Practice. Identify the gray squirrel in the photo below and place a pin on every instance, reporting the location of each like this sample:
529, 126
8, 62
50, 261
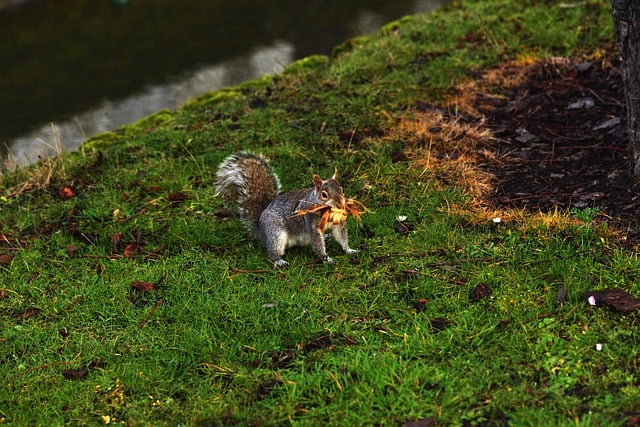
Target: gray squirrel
252, 189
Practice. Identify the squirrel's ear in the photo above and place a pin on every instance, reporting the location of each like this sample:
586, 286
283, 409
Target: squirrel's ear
317, 181
335, 174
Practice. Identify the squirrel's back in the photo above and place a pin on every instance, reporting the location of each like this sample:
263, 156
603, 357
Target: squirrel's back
247, 182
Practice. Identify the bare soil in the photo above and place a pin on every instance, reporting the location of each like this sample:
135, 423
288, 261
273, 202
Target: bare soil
560, 138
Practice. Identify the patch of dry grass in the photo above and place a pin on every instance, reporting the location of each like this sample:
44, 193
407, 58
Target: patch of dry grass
42, 174
447, 147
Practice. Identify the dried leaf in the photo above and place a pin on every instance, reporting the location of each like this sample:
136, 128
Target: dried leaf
481, 291
71, 250
151, 189
30, 312
404, 227
115, 242
66, 193
398, 156
615, 298
176, 198
438, 324
5, 259
144, 286
420, 304
267, 388
223, 213
422, 422
75, 374
334, 215
130, 250
379, 259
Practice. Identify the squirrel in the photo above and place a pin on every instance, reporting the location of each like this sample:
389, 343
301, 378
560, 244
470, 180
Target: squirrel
252, 189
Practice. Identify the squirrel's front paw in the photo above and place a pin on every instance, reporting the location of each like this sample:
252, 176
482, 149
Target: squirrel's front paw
350, 251
327, 259
280, 263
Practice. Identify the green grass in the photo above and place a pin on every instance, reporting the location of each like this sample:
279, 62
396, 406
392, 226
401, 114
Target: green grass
392, 337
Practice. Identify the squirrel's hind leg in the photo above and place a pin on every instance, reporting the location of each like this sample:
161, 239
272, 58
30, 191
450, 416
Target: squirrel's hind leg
276, 244
276, 248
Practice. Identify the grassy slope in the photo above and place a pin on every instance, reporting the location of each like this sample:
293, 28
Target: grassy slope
227, 339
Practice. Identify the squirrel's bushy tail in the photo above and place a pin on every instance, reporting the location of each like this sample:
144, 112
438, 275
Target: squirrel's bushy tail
248, 184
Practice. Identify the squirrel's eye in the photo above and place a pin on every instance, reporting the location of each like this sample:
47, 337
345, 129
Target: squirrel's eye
324, 195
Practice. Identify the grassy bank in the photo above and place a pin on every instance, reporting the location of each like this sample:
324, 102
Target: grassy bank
124, 298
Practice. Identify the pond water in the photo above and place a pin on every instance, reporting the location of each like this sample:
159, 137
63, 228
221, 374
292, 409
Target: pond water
73, 68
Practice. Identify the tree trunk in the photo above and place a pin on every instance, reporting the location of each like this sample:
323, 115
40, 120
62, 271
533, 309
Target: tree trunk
626, 17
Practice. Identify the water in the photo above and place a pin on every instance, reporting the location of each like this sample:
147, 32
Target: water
77, 68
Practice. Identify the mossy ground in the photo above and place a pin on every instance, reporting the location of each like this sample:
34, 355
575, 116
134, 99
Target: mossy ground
124, 299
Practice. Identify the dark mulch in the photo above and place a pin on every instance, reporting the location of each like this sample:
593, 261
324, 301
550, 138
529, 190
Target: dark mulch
561, 135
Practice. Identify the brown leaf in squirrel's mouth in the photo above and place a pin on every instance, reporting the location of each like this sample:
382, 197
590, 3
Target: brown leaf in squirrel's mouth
333, 214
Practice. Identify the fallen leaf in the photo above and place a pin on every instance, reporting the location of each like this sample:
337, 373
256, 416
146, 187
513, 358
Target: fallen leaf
404, 228
615, 298
130, 250
5, 259
115, 242
30, 312
633, 421
481, 291
398, 156
71, 250
266, 388
437, 324
144, 286
379, 259
223, 213
151, 189
75, 374
420, 304
176, 198
422, 422
66, 193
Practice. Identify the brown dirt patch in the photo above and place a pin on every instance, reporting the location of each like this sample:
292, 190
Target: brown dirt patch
561, 138
539, 136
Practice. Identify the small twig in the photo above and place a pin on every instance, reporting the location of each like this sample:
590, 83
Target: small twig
351, 139
534, 196
133, 216
153, 310
592, 147
238, 270
46, 365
